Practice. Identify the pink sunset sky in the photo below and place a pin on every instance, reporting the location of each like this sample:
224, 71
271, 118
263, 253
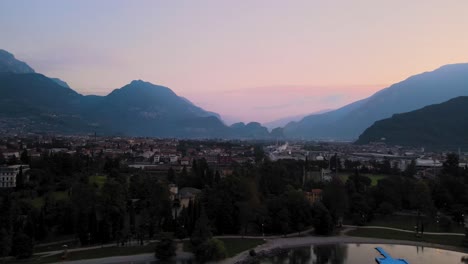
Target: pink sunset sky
256, 60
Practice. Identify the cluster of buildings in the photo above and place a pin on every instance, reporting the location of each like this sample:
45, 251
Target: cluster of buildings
428, 163
149, 154
159, 155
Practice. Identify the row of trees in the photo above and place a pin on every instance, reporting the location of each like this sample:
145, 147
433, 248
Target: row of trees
359, 201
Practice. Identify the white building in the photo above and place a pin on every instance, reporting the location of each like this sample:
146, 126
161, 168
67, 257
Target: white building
8, 175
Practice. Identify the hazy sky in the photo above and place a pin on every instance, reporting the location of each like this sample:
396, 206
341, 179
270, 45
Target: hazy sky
245, 59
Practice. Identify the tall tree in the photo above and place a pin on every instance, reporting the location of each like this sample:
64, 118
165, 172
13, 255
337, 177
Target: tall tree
24, 157
202, 231
450, 165
3, 161
171, 175
22, 246
335, 198
410, 170
20, 179
421, 197
323, 222
5, 243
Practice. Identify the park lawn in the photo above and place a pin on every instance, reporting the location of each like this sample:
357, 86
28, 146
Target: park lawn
56, 246
38, 202
408, 222
456, 241
97, 180
233, 246
63, 195
375, 178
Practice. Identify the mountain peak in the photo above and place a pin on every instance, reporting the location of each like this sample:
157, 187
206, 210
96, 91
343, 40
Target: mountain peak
8, 63
135, 82
456, 67
6, 54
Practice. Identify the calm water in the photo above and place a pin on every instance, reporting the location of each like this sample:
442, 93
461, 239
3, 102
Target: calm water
365, 254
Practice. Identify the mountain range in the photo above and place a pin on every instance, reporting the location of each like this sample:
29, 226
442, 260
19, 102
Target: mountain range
436, 126
32, 102
348, 122
43, 104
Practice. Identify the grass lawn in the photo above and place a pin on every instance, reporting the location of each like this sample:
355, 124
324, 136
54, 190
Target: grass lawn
233, 246
374, 177
99, 180
57, 246
60, 195
389, 234
408, 222
38, 202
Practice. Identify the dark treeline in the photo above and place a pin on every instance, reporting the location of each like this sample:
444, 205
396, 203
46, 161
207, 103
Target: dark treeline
99, 200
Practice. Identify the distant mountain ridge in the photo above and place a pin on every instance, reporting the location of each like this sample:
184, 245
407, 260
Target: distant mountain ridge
348, 122
436, 126
39, 104
286, 120
8, 63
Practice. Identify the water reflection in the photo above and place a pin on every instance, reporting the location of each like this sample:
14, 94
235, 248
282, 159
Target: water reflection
364, 253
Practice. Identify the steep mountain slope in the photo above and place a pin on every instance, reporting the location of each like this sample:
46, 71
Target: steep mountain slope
415, 92
204, 112
60, 82
32, 93
35, 103
144, 109
320, 126
436, 126
8, 63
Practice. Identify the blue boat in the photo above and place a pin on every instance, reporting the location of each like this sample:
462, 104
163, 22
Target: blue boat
387, 259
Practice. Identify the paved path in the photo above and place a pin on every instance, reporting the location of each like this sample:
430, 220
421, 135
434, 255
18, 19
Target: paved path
133, 259
55, 252
404, 230
55, 243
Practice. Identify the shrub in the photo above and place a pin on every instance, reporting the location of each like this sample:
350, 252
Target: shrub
165, 249
22, 246
445, 223
386, 208
211, 250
